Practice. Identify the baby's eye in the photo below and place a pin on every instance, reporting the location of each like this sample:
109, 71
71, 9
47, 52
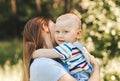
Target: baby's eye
66, 31
57, 32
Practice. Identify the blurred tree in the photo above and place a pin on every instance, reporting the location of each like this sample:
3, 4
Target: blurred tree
68, 5
13, 6
38, 5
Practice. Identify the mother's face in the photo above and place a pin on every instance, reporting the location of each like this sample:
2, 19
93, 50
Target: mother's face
52, 30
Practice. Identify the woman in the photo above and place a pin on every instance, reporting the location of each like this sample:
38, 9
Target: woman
39, 33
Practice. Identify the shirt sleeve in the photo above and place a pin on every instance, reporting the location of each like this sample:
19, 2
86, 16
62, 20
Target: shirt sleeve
65, 50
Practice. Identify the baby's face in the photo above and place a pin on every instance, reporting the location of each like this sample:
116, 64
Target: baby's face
66, 31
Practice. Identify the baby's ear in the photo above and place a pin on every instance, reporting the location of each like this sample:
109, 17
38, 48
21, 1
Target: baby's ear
45, 28
79, 32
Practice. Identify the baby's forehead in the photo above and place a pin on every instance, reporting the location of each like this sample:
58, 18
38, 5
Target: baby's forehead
67, 23
69, 16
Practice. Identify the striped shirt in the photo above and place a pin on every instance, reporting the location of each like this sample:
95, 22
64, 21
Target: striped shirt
74, 56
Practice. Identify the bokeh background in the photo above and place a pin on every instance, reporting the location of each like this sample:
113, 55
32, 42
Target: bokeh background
100, 24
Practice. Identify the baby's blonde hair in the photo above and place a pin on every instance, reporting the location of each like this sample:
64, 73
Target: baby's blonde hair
70, 17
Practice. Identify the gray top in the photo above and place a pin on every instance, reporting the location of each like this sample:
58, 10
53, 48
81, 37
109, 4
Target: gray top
46, 69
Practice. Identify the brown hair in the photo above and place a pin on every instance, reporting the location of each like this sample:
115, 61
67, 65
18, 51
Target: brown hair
32, 40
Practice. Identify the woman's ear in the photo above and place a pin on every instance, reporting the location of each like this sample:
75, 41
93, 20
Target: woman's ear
45, 28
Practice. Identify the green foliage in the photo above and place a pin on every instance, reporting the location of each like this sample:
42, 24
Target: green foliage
101, 23
112, 77
10, 51
110, 69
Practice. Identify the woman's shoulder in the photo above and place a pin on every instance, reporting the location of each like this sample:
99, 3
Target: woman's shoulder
45, 62
46, 66
45, 59
41, 61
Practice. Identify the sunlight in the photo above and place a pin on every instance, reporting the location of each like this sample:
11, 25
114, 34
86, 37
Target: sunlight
11, 73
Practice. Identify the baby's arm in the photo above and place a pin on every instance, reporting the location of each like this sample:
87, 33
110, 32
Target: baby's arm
62, 51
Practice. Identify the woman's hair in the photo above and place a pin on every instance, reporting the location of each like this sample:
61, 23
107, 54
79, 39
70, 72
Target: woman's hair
32, 40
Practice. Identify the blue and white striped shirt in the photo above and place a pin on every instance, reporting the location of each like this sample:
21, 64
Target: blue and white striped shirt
75, 56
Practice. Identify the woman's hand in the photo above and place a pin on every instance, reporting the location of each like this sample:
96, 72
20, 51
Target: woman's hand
95, 76
93, 61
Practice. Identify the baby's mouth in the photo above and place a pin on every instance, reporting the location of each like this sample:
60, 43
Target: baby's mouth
61, 41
